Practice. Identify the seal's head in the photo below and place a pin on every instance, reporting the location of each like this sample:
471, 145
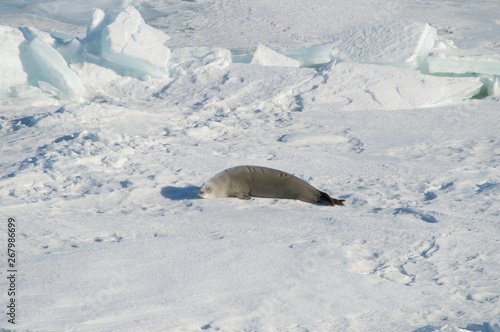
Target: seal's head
211, 190
205, 191
217, 187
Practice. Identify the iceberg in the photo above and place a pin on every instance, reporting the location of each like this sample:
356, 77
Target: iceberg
11, 67
129, 42
265, 56
394, 44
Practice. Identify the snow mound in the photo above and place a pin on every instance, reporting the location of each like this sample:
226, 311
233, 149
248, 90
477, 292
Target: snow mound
128, 41
353, 86
267, 57
394, 43
11, 67
460, 61
248, 87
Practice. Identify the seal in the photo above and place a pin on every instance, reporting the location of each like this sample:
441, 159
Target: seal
245, 182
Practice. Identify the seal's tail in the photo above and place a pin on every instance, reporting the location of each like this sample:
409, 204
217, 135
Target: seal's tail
326, 199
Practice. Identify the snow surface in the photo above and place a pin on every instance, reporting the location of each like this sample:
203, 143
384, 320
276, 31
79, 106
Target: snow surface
108, 128
267, 57
395, 43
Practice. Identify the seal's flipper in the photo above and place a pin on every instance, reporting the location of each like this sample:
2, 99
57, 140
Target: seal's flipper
338, 201
242, 195
326, 199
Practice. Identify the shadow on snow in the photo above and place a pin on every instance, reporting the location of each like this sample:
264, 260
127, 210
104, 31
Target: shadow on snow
180, 193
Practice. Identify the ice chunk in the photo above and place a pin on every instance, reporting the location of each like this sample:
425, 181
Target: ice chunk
460, 61
30, 34
133, 44
50, 68
353, 86
241, 57
70, 50
494, 87
92, 43
265, 56
393, 43
11, 67
311, 56
491, 85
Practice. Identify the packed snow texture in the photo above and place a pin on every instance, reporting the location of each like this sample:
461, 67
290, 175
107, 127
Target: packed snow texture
394, 43
383, 87
108, 129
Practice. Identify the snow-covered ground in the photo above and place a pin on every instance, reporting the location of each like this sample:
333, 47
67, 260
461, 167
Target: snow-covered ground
112, 118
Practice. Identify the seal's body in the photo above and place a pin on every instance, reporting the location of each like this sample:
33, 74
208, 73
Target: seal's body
245, 182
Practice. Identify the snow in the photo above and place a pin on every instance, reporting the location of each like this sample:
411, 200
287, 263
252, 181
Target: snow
198, 60
11, 67
108, 129
267, 57
395, 43
380, 87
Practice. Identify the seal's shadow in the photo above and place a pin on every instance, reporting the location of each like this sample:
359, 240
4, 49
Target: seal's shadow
180, 193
